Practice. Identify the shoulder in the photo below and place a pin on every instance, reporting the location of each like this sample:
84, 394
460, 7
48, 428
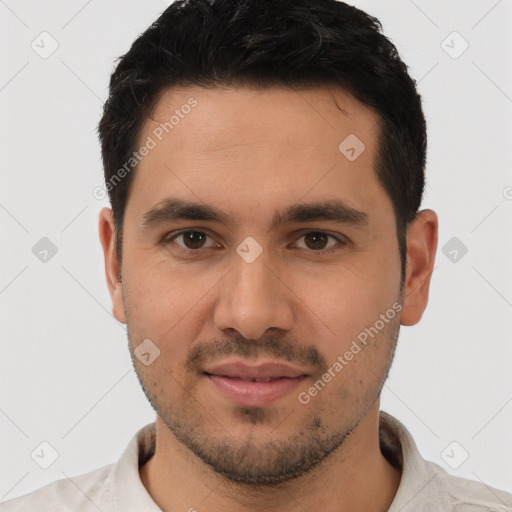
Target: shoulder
87, 492
108, 488
468, 495
427, 487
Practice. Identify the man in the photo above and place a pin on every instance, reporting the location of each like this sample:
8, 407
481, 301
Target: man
264, 160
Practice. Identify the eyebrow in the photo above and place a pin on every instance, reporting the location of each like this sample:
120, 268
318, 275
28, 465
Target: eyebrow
334, 210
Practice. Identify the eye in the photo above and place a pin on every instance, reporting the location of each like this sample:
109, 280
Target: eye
317, 241
314, 241
192, 240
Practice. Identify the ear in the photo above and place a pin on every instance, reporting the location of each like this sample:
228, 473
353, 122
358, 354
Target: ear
112, 267
422, 235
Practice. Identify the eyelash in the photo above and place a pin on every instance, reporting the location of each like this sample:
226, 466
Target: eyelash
169, 240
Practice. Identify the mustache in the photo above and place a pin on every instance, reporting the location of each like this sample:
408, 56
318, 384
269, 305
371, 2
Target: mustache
274, 347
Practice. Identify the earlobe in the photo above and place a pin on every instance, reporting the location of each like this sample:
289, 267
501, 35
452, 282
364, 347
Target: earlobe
422, 234
112, 268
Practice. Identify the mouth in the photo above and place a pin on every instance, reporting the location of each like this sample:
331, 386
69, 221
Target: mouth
254, 386
254, 379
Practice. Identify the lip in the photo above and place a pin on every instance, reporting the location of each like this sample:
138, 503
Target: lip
235, 381
262, 371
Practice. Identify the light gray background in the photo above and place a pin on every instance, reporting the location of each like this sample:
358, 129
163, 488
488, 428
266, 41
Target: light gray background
66, 376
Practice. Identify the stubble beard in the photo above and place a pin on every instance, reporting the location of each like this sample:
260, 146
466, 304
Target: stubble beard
257, 460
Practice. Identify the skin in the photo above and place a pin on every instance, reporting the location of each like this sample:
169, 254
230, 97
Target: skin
251, 153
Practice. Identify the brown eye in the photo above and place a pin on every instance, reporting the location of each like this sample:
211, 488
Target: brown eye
318, 241
192, 240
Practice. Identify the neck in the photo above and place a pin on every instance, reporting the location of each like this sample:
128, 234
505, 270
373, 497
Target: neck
356, 477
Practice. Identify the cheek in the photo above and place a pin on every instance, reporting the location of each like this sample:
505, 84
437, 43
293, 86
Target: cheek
154, 291
357, 366
348, 302
167, 306
357, 307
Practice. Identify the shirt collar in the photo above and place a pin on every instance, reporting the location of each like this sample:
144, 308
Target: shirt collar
128, 491
397, 445
420, 478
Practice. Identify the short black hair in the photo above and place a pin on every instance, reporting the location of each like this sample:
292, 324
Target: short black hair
297, 44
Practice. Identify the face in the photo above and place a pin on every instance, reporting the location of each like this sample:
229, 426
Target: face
262, 320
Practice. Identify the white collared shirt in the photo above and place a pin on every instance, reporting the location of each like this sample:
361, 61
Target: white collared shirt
424, 486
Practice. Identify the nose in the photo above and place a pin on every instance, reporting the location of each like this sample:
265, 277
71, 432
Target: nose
253, 298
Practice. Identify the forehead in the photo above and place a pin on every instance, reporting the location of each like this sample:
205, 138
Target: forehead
227, 145
222, 116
